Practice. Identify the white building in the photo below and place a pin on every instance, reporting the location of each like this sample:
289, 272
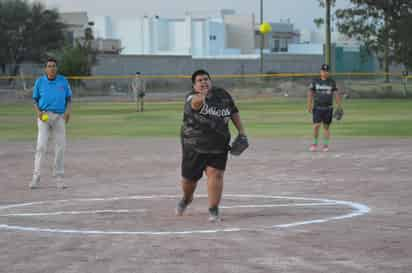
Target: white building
213, 34
205, 34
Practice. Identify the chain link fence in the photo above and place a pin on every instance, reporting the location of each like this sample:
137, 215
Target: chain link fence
174, 87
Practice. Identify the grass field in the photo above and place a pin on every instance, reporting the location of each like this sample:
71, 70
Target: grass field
274, 117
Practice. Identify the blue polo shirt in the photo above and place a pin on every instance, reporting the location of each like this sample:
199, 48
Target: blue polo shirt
52, 95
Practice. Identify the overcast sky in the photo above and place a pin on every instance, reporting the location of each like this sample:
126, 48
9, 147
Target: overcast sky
301, 12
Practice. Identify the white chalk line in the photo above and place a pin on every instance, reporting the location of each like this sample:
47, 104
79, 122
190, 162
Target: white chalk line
58, 213
357, 210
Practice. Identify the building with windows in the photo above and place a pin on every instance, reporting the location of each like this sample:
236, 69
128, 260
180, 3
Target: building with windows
154, 35
278, 40
219, 33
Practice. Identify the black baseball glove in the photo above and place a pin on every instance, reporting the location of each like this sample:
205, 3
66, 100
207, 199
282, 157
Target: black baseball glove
239, 145
338, 113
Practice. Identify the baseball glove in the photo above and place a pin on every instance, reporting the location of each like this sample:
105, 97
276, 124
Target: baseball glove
239, 145
338, 113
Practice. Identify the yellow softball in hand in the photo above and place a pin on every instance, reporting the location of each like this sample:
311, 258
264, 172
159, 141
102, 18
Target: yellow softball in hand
45, 117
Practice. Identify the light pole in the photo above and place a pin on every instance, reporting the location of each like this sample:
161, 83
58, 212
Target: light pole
328, 34
262, 37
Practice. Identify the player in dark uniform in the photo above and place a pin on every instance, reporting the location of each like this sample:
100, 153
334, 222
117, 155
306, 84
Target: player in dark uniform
205, 140
320, 104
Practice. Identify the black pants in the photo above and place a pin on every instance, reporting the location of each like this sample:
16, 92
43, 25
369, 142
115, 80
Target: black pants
323, 115
194, 163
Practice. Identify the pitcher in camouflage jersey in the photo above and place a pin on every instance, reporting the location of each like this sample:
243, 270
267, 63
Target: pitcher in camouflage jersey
205, 140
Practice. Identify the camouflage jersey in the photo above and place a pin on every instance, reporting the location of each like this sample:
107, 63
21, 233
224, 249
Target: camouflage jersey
323, 91
207, 130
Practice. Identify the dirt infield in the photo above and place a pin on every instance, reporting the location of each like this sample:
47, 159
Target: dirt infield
284, 210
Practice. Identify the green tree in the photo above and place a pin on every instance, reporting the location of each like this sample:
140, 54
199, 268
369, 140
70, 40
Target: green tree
401, 33
319, 22
79, 59
28, 32
73, 61
384, 26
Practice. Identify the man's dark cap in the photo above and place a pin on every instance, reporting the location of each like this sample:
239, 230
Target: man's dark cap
325, 67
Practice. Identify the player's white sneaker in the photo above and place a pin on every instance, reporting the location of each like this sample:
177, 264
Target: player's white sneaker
34, 182
325, 148
313, 147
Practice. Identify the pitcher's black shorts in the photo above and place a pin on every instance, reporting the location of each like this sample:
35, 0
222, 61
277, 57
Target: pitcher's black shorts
194, 163
322, 115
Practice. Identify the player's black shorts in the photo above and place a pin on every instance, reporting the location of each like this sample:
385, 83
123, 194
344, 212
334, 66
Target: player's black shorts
194, 163
323, 115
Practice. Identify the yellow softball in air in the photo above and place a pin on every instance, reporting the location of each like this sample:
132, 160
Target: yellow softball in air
265, 28
45, 117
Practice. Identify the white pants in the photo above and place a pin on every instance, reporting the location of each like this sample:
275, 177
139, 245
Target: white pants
56, 127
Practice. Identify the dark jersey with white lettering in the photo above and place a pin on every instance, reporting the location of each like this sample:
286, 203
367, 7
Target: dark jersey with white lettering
323, 91
207, 130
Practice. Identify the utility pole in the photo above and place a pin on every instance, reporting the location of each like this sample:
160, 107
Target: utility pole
262, 37
328, 45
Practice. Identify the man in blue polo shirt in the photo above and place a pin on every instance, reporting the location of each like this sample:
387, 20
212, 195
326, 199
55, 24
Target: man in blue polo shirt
52, 103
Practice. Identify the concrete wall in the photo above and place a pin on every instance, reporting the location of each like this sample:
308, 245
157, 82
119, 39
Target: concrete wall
290, 63
184, 65
177, 65
148, 65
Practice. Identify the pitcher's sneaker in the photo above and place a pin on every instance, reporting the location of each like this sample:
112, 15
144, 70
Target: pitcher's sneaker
181, 206
34, 184
325, 148
313, 147
214, 215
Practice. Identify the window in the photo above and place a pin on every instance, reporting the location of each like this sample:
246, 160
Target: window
284, 45
278, 45
274, 45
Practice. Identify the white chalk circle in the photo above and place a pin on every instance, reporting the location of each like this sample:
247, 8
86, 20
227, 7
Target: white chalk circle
357, 210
